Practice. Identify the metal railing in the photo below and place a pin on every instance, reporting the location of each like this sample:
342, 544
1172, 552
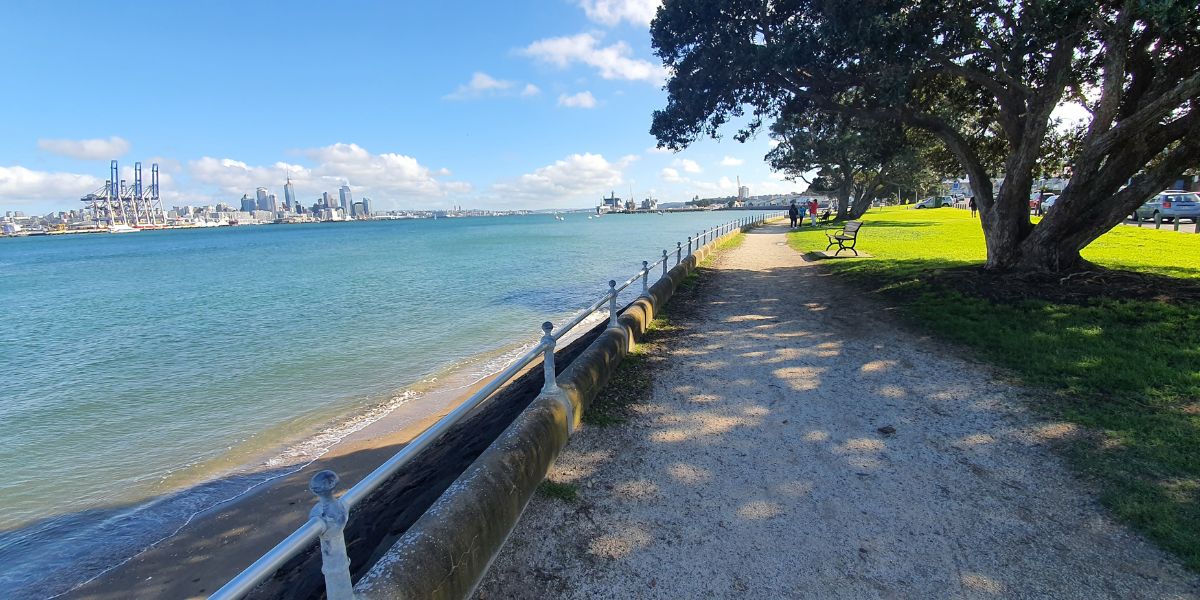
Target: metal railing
328, 518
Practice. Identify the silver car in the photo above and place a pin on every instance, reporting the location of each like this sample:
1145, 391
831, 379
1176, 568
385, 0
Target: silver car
1170, 205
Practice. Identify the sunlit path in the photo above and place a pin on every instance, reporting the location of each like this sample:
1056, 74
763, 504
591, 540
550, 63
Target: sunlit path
798, 443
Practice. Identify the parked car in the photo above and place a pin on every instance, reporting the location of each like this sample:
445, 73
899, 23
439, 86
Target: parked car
936, 202
1169, 205
1048, 202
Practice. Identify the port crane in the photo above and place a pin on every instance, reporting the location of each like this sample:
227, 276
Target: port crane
118, 203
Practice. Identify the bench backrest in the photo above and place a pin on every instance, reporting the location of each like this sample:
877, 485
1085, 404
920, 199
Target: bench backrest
851, 227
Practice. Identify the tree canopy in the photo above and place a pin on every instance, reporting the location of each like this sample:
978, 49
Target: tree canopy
981, 77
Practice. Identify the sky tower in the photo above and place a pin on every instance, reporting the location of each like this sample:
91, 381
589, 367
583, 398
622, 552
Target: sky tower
289, 194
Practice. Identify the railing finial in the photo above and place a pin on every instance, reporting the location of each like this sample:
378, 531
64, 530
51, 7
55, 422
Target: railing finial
335, 564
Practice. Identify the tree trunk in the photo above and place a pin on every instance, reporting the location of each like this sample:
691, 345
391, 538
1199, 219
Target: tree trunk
843, 202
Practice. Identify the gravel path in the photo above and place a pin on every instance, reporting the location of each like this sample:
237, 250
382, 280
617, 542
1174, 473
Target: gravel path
758, 469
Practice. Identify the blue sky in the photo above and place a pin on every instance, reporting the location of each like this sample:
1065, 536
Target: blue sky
418, 105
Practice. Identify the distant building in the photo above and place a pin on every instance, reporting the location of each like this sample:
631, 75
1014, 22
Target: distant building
347, 200
289, 195
261, 195
327, 200
248, 204
366, 206
743, 192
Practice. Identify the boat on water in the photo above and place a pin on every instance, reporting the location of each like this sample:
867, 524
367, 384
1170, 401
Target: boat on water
558, 217
122, 228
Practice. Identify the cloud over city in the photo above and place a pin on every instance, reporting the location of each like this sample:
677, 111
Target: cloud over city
566, 182
94, 149
19, 185
389, 178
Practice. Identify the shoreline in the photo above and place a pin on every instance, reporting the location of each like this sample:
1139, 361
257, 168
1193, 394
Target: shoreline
221, 540
209, 538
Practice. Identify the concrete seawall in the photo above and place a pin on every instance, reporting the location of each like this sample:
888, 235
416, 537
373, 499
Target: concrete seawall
446, 552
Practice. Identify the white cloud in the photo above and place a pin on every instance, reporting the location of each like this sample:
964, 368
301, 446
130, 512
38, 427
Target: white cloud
657, 150
386, 177
530, 90
575, 178
481, 84
612, 12
580, 100
98, 149
670, 175
613, 62
772, 143
730, 161
688, 165
19, 185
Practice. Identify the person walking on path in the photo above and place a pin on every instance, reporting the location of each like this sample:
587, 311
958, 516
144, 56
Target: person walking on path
971, 203
812, 210
793, 213
787, 449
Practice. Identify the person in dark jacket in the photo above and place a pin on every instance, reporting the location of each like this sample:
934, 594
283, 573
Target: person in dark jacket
793, 213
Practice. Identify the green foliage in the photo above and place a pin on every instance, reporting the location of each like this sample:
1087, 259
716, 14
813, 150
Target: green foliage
564, 492
1127, 370
981, 78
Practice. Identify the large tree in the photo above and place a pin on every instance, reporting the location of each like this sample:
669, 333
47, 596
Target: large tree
974, 74
854, 159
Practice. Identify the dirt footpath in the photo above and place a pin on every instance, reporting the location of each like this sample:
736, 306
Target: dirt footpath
797, 444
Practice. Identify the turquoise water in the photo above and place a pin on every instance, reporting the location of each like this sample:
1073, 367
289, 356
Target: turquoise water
135, 368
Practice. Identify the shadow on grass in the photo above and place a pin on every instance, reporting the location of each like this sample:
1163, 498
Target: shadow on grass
1119, 350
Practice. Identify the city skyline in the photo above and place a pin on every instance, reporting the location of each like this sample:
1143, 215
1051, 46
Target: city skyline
520, 106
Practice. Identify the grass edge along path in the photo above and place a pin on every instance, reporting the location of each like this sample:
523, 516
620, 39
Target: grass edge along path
1124, 369
632, 380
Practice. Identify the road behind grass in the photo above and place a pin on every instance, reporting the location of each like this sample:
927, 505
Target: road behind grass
796, 443
1117, 349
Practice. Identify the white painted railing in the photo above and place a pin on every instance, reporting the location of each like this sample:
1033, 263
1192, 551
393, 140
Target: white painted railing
328, 518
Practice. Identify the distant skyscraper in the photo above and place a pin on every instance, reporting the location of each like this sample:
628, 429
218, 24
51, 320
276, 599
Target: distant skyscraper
347, 199
248, 204
261, 194
289, 194
327, 200
366, 206
272, 202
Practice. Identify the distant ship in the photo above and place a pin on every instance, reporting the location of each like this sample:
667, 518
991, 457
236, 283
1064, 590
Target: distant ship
121, 228
558, 217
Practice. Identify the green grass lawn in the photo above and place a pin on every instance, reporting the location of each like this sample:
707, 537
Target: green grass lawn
1127, 370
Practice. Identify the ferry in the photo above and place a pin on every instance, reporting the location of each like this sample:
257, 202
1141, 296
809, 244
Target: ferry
121, 228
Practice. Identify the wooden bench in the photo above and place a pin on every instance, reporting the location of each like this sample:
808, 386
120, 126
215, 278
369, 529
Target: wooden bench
848, 233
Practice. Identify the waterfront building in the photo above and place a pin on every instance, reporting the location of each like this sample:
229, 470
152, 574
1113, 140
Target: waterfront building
347, 201
272, 203
327, 200
366, 206
248, 204
289, 195
261, 195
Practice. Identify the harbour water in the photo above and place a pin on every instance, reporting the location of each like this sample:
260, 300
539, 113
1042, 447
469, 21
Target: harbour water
146, 377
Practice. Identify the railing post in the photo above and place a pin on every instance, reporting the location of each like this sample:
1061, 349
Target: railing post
335, 565
645, 278
550, 386
664, 262
1176, 222
612, 303
678, 252
1157, 220
689, 245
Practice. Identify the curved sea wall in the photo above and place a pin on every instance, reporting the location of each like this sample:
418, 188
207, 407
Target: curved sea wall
446, 552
